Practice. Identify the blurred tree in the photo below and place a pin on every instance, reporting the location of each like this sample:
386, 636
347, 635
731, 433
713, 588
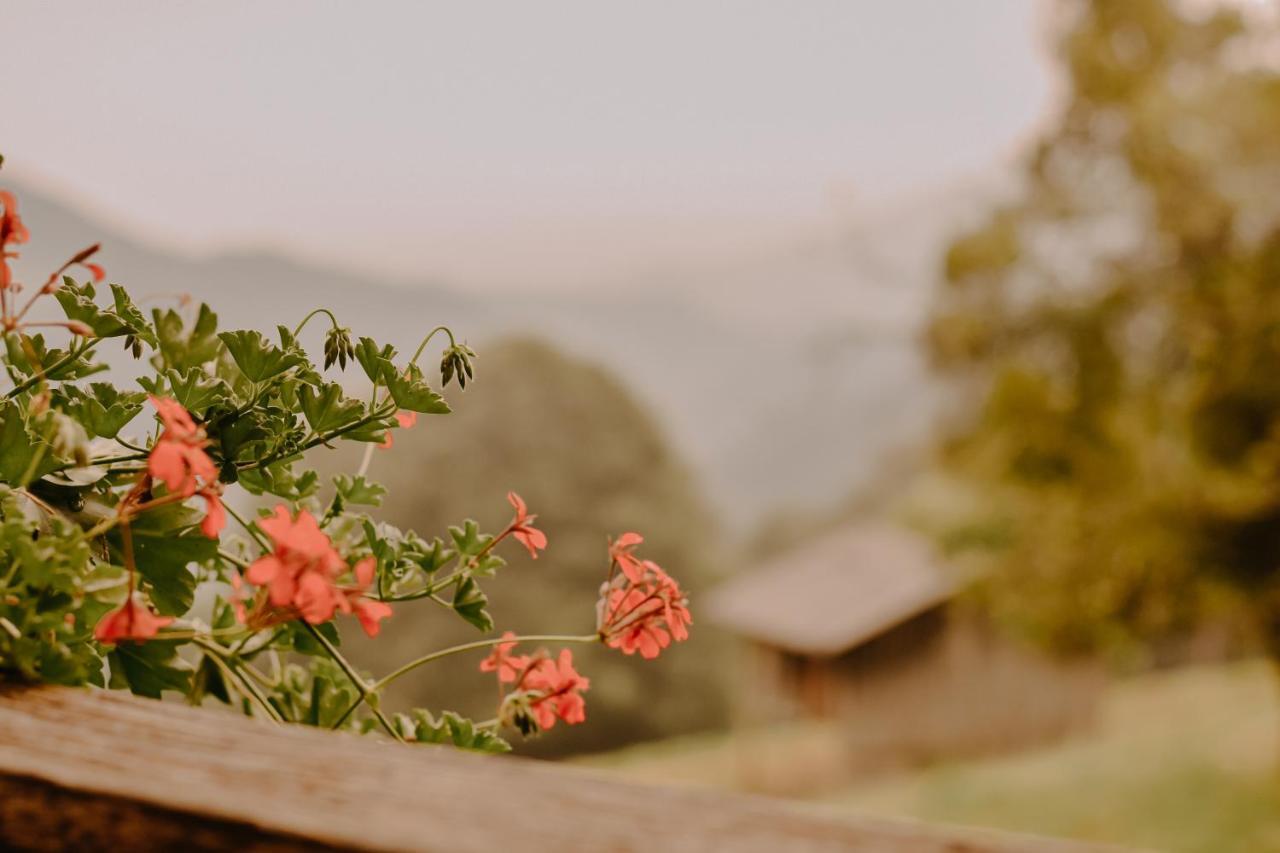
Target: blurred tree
1117, 330
591, 462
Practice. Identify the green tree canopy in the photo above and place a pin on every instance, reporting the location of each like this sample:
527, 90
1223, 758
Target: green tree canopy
1114, 333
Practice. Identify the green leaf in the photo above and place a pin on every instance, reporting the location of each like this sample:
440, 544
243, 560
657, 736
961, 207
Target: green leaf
429, 559
450, 729
296, 636
165, 541
208, 681
357, 490
149, 668
306, 371
413, 393
327, 410
469, 540
183, 349
77, 303
18, 448
192, 387
258, 359
129, 312
469, 602
104, 411
374, 359
21, 360
279, 479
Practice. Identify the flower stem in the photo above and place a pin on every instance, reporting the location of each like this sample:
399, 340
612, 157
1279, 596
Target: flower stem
481, 644
306, 319
250, 528
73, 354
247, 687
418, 353
360, 684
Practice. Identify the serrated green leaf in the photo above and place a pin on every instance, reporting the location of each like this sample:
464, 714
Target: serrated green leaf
452, 729
181, 348
469, 602
77, 303
358, 490
374, 358
165, 541
192, 387
279, 479
326, 409
125, 309
19, 448
104, 410
412, 393
148, 669
39, 356
469, 540
258, 359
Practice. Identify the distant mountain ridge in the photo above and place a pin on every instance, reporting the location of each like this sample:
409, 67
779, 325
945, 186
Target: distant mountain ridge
783, 379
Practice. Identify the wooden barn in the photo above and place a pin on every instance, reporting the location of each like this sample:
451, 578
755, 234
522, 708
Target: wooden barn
861, 629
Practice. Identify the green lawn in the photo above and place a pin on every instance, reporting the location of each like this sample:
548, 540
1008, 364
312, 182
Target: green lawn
1182, 761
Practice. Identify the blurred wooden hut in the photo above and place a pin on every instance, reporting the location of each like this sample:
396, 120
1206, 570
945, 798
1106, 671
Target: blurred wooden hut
862, 629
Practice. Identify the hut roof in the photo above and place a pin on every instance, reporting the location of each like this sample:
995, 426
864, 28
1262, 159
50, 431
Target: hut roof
836, 592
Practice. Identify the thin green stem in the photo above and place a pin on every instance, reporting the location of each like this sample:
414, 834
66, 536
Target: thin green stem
248, 688
418, 353
360, 684
250, 528
232, 558
72, 354
480, 644
320, 439
306, 319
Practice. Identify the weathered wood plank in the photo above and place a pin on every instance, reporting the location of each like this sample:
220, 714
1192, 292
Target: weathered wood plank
84, 769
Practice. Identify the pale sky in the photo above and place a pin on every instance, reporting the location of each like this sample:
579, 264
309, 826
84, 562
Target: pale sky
515, 144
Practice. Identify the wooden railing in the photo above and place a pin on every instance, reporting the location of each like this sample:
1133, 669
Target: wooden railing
89, 770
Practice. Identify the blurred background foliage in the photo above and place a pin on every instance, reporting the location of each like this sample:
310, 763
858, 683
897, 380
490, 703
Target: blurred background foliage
589, 459
1114, 337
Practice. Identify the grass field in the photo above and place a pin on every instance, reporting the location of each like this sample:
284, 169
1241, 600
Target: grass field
1182, 761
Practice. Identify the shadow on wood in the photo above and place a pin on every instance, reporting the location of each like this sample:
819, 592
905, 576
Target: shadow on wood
82, 769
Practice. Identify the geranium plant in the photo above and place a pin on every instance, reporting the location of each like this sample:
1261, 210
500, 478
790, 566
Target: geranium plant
124, 564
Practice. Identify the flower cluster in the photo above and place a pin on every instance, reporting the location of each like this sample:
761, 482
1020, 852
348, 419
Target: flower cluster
543, 689
641, 608
301, 576
178, 460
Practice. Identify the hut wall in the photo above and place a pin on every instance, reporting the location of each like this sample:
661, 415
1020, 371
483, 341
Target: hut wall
941, 684
946, 684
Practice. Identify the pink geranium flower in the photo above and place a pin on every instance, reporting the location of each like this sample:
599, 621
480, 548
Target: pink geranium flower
522, 528
302, 571
508, 666
642, 609
559, 688
178, 460
621, 553
131, 621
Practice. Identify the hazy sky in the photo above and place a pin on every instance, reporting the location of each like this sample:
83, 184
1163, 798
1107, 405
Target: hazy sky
520, 142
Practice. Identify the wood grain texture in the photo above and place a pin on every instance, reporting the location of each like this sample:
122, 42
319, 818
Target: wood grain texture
82, 769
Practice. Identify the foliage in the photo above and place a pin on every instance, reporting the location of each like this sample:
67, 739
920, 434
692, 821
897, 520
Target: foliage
1117, 329
116, 566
